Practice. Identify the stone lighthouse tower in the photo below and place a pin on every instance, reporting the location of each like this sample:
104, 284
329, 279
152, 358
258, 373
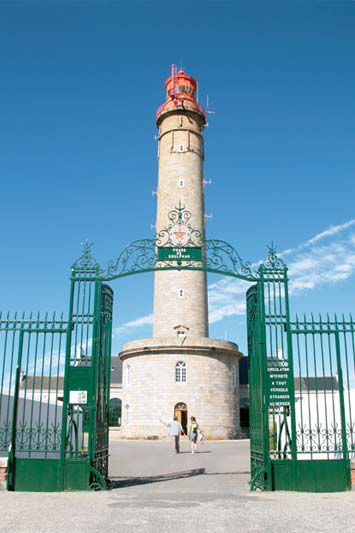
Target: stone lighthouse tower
180, 371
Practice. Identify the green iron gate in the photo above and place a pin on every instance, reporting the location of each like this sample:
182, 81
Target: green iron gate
87, 383
54, 393
270, 368
258, 416
55, 376
302, 429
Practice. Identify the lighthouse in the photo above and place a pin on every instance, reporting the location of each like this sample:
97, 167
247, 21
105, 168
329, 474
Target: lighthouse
180, 297
180, 371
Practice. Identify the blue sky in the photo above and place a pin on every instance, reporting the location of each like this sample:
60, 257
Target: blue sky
80, 85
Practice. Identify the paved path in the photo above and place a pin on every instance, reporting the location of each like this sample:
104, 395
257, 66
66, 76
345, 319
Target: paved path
158, 491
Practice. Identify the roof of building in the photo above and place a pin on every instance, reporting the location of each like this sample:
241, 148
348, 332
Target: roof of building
116, 370
56, 383
312, 383
43, 383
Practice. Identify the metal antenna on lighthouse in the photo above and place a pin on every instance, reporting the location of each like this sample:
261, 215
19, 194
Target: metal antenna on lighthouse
173, 77
208, 109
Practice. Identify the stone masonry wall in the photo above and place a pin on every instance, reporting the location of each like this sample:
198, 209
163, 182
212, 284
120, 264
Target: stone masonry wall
151, 394
180, 182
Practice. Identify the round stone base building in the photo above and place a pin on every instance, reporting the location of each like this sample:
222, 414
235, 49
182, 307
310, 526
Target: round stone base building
166, 377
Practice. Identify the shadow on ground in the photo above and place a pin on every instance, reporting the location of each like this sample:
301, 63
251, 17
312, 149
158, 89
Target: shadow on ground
118, 483
121, 482
197, 453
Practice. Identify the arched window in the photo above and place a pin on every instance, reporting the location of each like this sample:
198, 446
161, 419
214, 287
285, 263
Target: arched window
235, 420
115, 412
128, 374
234, 377
180, 372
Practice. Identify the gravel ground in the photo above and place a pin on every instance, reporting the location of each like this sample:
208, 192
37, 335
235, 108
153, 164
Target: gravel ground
156, 490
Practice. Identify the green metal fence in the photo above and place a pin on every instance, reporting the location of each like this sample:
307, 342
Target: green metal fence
31, 393
302, 392
324, 373
54, 392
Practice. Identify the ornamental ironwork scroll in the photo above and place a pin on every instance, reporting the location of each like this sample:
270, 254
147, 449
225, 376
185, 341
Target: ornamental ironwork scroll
179, 246
143, 255
86, 262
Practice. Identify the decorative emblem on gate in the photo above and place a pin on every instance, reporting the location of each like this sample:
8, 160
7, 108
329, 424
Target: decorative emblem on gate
179, 231
179, 235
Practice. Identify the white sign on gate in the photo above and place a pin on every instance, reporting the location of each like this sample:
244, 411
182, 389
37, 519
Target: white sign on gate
78, 396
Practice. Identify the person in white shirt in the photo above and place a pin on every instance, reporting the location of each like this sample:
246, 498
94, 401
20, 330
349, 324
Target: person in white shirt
175, 430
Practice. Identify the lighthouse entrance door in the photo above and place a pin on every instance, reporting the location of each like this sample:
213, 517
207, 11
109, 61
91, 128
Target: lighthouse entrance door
181, 412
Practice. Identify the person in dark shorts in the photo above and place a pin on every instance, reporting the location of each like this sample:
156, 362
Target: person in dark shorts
193, 434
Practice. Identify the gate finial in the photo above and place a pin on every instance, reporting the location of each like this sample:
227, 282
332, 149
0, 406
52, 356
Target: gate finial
85, 260
273, 262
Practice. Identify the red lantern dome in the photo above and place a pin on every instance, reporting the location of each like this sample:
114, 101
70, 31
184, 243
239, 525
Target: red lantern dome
180, 94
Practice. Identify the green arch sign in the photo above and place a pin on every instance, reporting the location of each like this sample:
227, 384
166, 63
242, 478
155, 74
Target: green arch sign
147, 255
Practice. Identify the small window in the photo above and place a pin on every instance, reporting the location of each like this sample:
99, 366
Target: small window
181, 148
181, 293
181, 330
127, 413
234, 414
181, 183
180, 372
128, 374
234, 377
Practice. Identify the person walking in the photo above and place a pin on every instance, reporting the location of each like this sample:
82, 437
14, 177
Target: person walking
193, 434
175, 430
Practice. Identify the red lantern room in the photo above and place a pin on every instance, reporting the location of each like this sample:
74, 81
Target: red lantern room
180, 94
